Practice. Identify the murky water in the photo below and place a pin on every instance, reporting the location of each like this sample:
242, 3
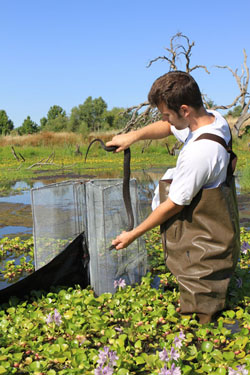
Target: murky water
16, 213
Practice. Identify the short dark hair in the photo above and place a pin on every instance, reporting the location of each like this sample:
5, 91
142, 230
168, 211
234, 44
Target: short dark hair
175, 88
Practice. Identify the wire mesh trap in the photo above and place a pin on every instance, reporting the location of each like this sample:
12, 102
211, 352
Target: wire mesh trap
96, 209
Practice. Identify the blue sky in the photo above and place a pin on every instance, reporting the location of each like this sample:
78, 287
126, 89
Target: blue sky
62, 51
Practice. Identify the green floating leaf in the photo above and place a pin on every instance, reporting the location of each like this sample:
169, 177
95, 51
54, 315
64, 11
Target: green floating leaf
220, 371
231, 314
217, 355
138, 344
228, 355
186, 370
34, 366
207, 346
139, 360
3, 370
123, 371
207, 368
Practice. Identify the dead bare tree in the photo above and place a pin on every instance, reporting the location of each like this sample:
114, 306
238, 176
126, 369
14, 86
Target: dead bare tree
78, 151
176, 51
180, 49
179, 52
48, 161
243, 99
15, 154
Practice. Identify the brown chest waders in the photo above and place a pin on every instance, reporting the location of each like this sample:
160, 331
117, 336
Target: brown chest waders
202, 243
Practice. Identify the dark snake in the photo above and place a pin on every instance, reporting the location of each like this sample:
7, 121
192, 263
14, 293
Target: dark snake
126, 180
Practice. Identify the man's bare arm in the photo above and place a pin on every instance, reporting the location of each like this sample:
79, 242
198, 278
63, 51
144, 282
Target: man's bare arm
161, 214
156, 130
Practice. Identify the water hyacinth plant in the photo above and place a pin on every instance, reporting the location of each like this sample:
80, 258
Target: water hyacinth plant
240, 370
245, 247
106, 362
136, 331
121, 283
54, 318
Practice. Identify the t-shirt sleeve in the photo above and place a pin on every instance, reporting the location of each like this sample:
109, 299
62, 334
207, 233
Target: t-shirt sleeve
192, 172
181, 135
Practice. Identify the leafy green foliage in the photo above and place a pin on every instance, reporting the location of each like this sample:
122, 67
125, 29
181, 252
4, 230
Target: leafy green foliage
54, 112
56, 119
236, 112
91, 113
116, 118
66, 330
6, 125
28, 127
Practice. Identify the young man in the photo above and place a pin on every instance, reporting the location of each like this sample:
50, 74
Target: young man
198, 218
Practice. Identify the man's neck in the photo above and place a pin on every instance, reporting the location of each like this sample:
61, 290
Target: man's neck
200, 118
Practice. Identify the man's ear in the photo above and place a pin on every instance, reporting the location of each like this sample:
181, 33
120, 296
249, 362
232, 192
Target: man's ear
184, 110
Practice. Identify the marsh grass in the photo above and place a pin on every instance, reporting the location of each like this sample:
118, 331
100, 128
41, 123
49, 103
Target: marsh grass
37, 148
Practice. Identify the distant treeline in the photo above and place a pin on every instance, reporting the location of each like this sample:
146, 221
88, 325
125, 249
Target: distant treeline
91, 116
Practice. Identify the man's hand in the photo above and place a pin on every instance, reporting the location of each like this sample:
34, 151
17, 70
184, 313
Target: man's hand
123, 240
161, 214
123, 141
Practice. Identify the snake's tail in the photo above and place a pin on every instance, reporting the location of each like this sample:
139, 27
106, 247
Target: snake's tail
109, 149
94, 140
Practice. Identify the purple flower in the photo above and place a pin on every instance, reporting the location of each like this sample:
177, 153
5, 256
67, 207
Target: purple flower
241, 370
182, 336
174, 370
112, 358
121, 283
104, 370
165, 371
107, 370
98, 370
167, 356
245, 247
102, 358
178, 340
164, 355
54, 318
106, 361
49, 319
57, 317
174, 354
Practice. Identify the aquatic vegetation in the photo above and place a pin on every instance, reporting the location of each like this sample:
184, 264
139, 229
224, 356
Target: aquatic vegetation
137, 330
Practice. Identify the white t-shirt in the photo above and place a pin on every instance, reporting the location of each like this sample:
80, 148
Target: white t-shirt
201, 164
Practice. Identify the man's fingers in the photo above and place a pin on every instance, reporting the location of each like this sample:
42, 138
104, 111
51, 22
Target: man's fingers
119, 247
111, 143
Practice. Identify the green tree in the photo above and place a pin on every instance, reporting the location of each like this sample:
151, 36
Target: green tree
43, 122
56, 119
58, 124
117, 118
91, 112
6, 125
236, 112
210, 103
28, 127
54, 112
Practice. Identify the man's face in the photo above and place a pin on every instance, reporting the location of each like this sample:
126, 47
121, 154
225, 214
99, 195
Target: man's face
175, 119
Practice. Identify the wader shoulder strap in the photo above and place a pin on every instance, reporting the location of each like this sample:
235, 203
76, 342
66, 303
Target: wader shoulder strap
221, 141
